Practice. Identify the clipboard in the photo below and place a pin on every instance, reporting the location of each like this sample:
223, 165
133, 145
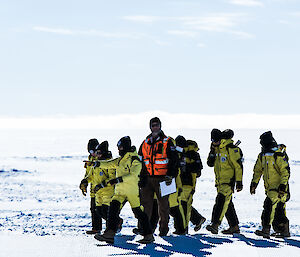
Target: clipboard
167, 190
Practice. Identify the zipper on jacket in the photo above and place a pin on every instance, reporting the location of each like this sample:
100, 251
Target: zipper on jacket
267, 171
218, 159
152, 166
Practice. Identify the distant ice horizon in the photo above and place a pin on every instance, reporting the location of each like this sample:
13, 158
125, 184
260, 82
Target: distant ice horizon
141, 121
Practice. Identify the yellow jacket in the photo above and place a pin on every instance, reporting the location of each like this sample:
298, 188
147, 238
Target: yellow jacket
227, 163
89, 173
274, 168
101, 175
128, 167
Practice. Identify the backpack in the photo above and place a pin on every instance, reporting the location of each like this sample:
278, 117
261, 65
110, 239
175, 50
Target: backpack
283, 153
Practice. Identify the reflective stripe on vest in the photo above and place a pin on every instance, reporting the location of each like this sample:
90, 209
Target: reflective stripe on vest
162, 162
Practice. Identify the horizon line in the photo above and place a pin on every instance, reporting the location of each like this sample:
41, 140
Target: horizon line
141, 121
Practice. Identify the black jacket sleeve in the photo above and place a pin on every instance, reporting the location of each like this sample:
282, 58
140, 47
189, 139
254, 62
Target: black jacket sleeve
196, 166
173, 164
144, 171
211, 159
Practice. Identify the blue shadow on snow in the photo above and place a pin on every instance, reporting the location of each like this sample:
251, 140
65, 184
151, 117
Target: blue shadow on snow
178, 244
196, 245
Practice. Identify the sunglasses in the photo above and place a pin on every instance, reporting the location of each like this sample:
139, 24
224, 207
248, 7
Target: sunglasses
154, 125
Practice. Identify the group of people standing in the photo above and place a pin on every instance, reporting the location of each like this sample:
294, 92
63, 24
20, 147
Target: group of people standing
137, 177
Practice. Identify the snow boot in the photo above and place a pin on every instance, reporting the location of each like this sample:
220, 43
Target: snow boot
92, 231
199, 224
213, 228
163, 232
232, 230
148, 239
179, 232
285, 231
108, 236
137, 231
265, 232
120, 225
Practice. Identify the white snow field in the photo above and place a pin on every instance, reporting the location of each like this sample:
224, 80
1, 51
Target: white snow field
43, 213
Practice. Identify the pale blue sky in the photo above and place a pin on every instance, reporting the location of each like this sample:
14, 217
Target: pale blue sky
107, 57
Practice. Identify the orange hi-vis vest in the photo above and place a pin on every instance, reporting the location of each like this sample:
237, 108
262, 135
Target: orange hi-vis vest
155, 156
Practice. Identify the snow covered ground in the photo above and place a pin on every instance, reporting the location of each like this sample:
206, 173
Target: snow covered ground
43, 213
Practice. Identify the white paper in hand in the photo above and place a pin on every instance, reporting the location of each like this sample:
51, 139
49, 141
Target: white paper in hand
167, 190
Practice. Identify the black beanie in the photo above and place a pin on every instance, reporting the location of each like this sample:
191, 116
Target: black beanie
125, 142
267, 141
216, 135
103, 147
155, 119
227, 134
92, 145
181, 141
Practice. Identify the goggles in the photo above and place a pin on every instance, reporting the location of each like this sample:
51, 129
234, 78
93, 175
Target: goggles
119, 143
98, 152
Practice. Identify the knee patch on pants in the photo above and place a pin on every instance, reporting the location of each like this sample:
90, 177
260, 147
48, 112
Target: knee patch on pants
179, 222
266, 214
93, 205
143, 220
113, 215
104, 211
137, 212
218, 209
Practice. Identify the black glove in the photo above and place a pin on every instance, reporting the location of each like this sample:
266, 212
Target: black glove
83, 186
96, 164
115, 181
281, 190
211, 156
212, 148
239, 186
99, 186
253, 188
168, 180
143, 181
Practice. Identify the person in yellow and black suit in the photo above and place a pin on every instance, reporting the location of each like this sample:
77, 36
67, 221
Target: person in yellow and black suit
128, 167
103, 191
160, 163
176, 208
273, 165
226, 158
88, 178
190, 167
